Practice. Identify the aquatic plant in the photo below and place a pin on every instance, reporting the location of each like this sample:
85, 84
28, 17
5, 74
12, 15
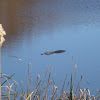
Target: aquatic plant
2, 33
46, 89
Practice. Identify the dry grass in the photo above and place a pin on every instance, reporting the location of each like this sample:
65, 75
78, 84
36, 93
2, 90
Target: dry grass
47, 90
2, 33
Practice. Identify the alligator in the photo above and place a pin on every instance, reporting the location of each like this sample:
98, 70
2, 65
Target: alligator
59, 51
52, 52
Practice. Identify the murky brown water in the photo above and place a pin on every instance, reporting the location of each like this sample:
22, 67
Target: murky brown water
34, 27
15, 17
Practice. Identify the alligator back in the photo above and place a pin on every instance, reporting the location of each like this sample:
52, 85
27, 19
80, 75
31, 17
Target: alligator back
52, 52
59, 51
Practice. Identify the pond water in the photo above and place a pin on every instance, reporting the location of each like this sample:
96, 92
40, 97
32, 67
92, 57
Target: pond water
34, 27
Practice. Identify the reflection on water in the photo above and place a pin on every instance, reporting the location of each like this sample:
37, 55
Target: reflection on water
20, 17
14, 19
36, 27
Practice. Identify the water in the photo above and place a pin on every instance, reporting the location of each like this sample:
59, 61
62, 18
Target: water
36, 27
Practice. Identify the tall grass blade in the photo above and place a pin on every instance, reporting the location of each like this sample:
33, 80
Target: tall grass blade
67, 89
54, 92
63, 86
48, 84
43, 81
71, 89
78, 87
36, 89
8, 79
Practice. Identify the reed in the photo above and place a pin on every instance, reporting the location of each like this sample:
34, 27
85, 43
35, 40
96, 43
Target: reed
42, 90
2, 33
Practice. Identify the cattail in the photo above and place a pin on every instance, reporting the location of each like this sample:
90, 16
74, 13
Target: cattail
2, 30
2, 33
64, 95
84, 94
89, 95
1, 40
